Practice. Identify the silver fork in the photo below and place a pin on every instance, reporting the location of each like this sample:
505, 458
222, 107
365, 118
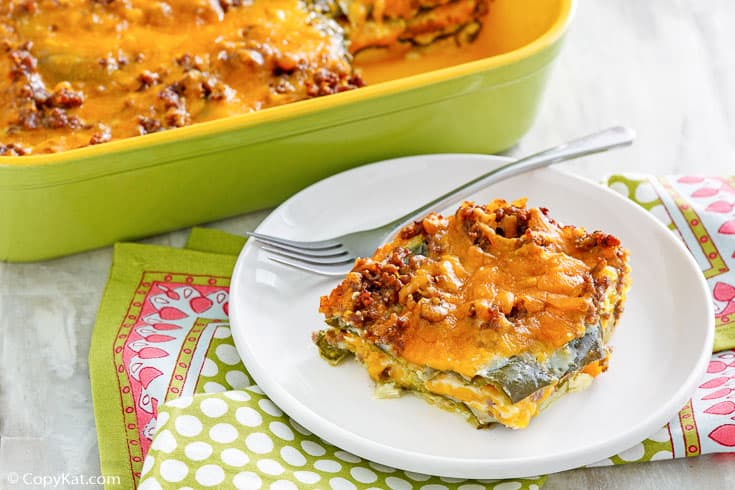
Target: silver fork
336, 256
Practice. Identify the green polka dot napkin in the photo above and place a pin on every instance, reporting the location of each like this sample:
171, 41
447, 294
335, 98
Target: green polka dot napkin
240, 439
176, 408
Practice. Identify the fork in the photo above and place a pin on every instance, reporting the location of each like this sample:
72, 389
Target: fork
336, 256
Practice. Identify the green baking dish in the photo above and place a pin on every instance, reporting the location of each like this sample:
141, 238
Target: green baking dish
57, 204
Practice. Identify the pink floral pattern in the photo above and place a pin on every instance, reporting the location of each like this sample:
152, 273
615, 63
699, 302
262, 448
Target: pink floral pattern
718, 400
168, 327
710, 427
715, 197
702, 211
168, 314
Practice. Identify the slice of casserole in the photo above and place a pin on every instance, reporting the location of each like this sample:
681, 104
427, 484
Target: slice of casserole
493, 312
387, 23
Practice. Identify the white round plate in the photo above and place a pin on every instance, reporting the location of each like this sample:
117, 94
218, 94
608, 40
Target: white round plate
661, 345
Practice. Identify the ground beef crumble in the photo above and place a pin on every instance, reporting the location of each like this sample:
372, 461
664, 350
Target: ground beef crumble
36, 106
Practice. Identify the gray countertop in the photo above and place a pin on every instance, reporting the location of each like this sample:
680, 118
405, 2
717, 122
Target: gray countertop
663, 67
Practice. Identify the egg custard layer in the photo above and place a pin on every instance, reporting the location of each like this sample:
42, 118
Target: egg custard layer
492, 312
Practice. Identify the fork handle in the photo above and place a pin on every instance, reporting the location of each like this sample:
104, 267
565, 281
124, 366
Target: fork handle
604, 140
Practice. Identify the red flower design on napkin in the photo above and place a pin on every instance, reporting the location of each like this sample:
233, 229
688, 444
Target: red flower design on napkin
720, 207
728, 227
721, 408
724, 434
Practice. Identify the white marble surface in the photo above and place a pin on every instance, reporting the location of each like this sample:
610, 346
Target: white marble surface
664, 67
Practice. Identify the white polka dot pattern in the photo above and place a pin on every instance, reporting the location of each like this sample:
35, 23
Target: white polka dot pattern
213, 407
270, 467
339, 483
188, 425
363, 475
347, 457
173, 470
182, 402
240, 439
238, 396
381, 468
237, 379
328, 465
198, 451
150, 484
633, 454
209, 368
162, 419
147, 465
210, 475
213, 387
247, 480
292, 456
281, 430
645, 193
307, 477
313, 448
164, 442
223, 433
269, 407
259, 443
620, 188
248, 416
298, 428
234, 457
227, 354
509, 485
283, 485
395, 483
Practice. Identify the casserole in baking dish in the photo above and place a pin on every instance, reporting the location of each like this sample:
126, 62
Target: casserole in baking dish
59, 203
83, 73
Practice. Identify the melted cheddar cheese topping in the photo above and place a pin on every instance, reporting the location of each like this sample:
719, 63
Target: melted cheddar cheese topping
84, 72
497, 281
81, 72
